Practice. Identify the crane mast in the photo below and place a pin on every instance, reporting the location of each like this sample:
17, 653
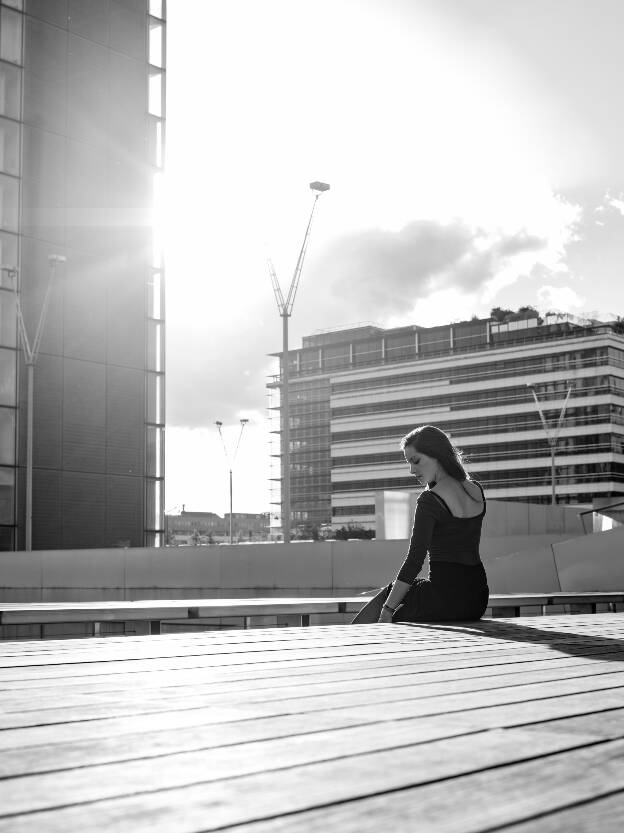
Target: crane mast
285, 309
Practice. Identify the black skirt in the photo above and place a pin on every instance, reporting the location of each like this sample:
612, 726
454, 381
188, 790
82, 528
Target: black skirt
453, 592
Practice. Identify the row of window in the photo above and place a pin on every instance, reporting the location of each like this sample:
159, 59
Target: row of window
342, 511
582, 473
583, 444
340, 356
500, 423
500, 369
598, 386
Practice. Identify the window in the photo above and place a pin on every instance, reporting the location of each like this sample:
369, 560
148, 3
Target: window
9, 147
9, 193
10, 87
8, 319
7, 495
10, 36
155, 332
154, 296
8, 257
7, 377
155, 104
7, 436
153, 513
154, 451
155, 398
156, 54
155, 142
156, 8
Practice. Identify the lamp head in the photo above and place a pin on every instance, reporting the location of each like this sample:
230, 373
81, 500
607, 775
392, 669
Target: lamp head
319, 186
219, 423
57, 258
244, 421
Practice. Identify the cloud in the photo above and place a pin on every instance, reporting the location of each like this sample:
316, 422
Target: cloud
616, 202
560, 298
218, 348
382, 271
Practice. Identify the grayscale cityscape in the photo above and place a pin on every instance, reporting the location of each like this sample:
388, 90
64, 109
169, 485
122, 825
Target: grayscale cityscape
311, 415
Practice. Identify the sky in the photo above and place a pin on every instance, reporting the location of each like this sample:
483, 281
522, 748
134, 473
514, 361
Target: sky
473, 149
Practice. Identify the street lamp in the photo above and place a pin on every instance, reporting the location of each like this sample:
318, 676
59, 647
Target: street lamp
553, 436
31, 353
285, 309
243, 423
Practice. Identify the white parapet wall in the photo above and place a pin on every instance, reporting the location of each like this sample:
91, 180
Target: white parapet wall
581, 563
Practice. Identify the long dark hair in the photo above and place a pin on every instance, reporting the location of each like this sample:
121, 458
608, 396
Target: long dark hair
435, 443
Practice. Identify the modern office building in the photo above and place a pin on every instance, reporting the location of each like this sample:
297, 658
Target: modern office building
354, 393
82, 108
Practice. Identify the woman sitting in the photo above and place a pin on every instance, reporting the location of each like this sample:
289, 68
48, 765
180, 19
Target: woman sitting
447, 524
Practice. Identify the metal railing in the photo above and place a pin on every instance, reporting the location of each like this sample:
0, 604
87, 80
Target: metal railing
597, 510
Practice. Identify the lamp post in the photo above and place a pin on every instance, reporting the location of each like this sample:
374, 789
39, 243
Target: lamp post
243, 423
31, 353
285, 309
552, 437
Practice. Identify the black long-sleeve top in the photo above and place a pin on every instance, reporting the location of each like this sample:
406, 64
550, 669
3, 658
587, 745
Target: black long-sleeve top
437, 531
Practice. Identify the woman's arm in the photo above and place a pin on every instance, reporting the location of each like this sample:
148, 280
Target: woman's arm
397, 594
427, 511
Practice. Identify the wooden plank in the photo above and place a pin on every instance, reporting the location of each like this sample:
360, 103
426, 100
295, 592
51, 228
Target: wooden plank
610, 677
367, 704
99, 782
305, 657
581, 625
129, 677
428, 685
567, 714
280, 683
601, 814
497, 777
44, 748
542, 631
487, 800
602, 623
81, 665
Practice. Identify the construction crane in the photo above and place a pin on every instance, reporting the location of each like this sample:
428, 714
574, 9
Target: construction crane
285, 309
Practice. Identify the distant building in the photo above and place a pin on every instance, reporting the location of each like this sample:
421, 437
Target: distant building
208, 527
82, 107
354, 393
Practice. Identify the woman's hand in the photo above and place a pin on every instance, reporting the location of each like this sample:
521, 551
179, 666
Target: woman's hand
385, 615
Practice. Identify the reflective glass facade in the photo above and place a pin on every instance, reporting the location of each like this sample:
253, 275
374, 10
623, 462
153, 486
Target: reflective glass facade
355, 393
81, 150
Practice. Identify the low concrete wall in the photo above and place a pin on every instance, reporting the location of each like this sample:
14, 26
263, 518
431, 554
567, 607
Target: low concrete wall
583, 564
298, 569
595, 562
591, 562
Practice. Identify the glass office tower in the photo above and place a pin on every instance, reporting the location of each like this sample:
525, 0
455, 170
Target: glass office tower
82, 107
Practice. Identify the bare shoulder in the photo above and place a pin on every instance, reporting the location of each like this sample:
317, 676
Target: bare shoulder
463, 499
473, 489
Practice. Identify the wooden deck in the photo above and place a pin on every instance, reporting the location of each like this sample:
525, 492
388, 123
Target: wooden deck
512, 725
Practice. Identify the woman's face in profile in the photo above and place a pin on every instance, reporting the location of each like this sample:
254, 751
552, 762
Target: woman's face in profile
422, 467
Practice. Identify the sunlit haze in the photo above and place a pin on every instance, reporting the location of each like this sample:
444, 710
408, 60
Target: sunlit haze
473, 160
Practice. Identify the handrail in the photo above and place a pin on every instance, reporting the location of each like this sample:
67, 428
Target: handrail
601, 508
598, 510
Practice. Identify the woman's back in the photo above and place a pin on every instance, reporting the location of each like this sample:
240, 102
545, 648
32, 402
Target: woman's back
464, 499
